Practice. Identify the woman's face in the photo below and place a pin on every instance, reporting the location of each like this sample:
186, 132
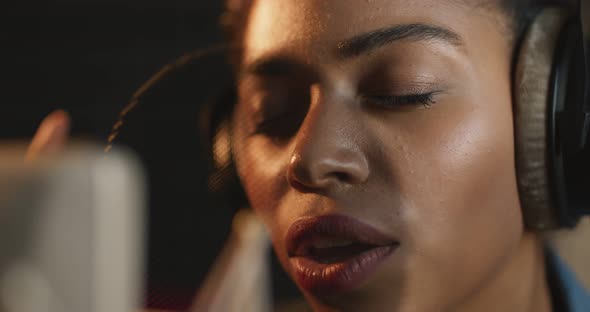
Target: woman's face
375, 140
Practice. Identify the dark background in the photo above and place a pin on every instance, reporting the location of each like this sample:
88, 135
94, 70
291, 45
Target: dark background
88, 57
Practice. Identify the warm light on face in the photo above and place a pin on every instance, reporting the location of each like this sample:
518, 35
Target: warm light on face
407, 129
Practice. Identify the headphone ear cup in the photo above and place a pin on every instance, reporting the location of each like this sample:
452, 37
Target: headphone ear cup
531, 111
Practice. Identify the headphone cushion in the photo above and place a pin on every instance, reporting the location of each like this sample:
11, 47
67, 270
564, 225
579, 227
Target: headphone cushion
531, 91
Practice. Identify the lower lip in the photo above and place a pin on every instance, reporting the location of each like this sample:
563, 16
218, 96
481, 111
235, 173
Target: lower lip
332, 278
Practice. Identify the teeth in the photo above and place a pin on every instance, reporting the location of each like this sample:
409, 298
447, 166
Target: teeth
331, 243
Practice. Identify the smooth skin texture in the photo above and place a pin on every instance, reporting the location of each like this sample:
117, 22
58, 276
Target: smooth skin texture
315, 132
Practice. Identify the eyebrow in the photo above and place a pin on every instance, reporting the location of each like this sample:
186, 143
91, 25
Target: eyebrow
271, 66
358, 45
367, 42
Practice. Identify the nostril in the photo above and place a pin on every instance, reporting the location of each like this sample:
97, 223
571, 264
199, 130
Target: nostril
301, 187
343, 176
315, 174
306, 180
309, 183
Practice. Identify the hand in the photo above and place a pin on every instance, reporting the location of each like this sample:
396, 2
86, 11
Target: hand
51, 136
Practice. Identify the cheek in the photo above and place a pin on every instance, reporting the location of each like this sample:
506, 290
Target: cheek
472, 184
261, 168
463, 217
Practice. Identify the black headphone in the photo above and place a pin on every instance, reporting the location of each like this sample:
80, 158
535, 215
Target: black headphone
551, 115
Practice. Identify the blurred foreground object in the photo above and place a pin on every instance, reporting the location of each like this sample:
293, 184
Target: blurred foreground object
71, 232
240, 278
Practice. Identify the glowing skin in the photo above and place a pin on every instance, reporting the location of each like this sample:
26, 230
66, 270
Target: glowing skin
437, 175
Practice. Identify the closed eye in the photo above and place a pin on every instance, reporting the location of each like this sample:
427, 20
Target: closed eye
396, 101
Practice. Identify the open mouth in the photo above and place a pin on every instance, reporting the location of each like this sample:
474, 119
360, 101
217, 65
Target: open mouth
332, 250
335, 253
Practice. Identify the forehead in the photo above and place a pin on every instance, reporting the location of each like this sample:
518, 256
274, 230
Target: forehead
316, 25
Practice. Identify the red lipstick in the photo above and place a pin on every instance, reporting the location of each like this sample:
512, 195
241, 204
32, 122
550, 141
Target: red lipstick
334, 253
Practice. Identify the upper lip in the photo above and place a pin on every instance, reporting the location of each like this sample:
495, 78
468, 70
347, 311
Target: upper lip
304, 232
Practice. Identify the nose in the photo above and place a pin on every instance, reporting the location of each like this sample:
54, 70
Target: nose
328, 154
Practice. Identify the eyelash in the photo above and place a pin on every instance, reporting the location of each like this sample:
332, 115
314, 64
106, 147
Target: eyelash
424, 99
